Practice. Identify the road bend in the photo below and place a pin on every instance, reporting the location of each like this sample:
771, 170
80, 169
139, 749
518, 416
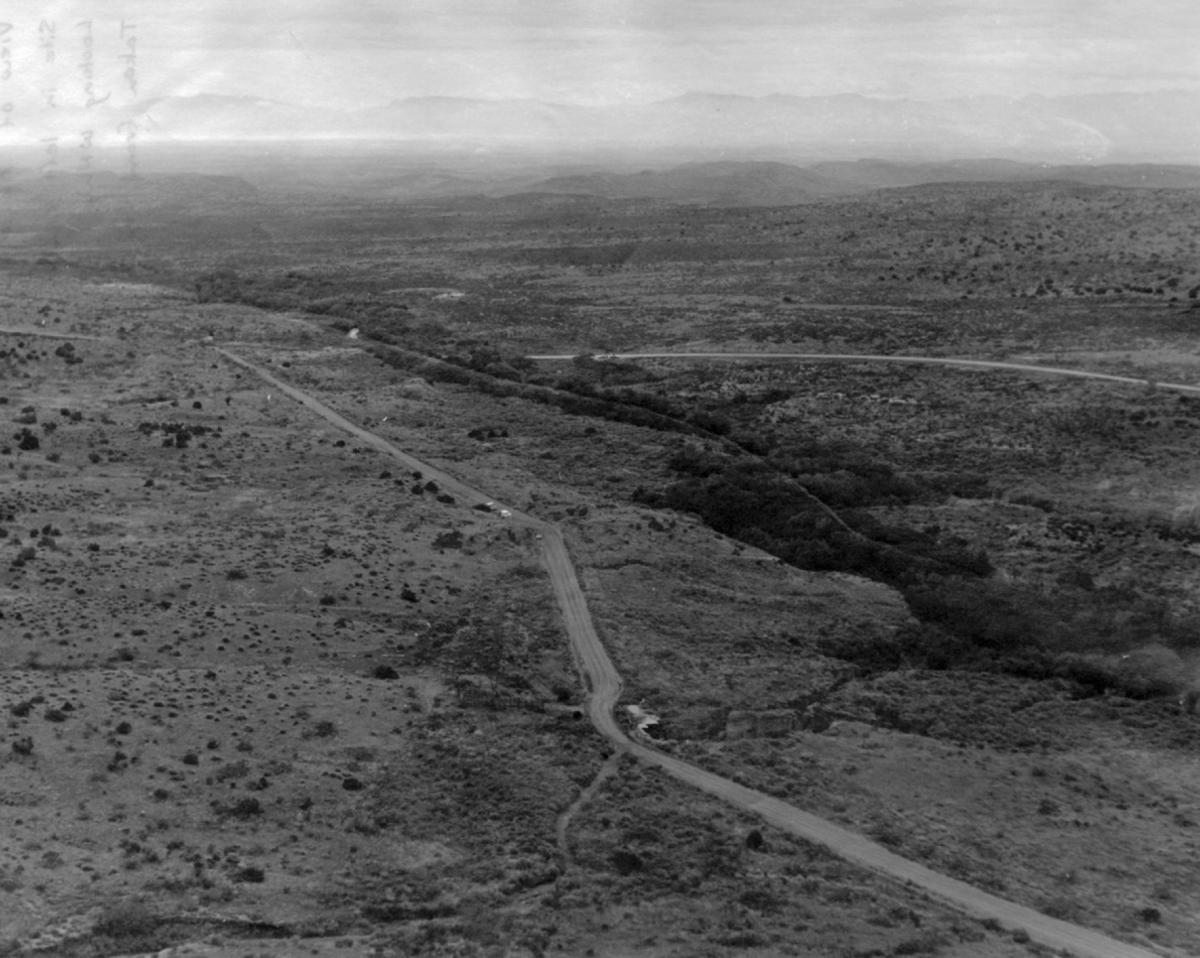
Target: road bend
604, 688
884, 358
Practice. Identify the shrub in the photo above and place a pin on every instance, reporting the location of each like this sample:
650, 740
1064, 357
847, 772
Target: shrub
238, 769
449, 540
626, 862
760, 900
127, 920
1150, 671
243, 808
1061, 907
322, 729
986, 614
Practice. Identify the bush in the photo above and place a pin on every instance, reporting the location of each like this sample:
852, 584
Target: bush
238, 769
127, 920
243, 808
322, 729
1091, 675
1061, 907
27, 554
626, 862
986, 614
762, 900
875, 651
1150, 672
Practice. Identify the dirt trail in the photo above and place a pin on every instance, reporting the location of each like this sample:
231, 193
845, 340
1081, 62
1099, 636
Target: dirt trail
563, 825
49, 334
604, 688
919, 360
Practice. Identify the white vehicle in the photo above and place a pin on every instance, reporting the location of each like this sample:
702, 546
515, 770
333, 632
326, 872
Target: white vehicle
505, 514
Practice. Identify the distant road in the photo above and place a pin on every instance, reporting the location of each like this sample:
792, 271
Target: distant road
51, 334
604, 689
445, 481
921, 360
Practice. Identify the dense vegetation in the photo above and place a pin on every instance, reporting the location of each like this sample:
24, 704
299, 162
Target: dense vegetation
968, 618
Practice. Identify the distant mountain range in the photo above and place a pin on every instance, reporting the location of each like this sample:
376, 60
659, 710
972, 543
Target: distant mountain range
1125, 127
724, 183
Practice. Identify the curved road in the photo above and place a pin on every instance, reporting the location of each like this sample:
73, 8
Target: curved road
884, 358
604, 688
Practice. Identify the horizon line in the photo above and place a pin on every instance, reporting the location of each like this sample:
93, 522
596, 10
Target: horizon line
698, 94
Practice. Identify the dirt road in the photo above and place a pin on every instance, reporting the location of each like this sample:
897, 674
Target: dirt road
447, 482
52, 334
604, 688
920, 360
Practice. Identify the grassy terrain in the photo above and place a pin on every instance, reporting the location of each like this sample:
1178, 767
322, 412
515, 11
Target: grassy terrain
263, 683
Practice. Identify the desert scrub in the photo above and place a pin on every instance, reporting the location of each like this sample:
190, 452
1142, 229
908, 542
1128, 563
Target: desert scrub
322, 729
238, 769
243, 808
127, 920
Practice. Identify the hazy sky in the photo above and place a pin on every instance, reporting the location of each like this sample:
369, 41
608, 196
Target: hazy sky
362, 52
